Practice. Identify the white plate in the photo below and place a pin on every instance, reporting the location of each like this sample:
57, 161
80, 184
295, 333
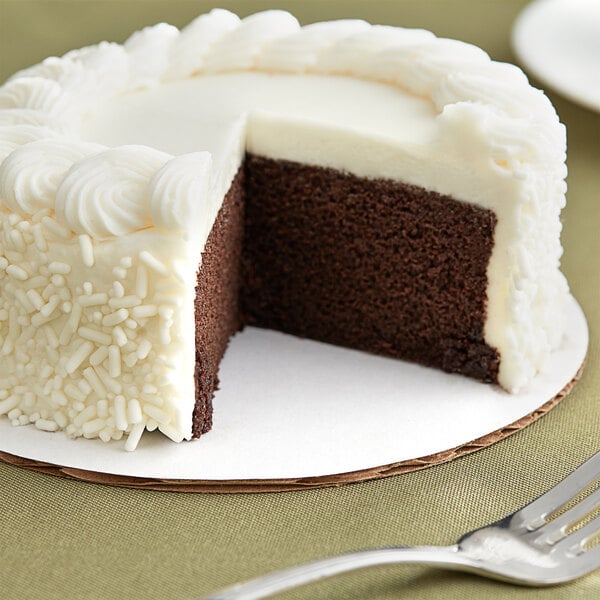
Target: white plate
558, 41
291, 408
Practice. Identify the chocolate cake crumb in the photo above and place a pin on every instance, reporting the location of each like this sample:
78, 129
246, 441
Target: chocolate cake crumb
216, 305
375, 265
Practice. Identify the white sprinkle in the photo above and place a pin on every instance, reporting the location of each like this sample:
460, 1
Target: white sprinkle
164, 333
39, 239
87, 250
24, 301
102, 408
13, 414
53, 227
88, 288
124, 302
59, 267
60, 419
120, 413
134, 411
36, 281
79, 356
74, 393
50, 306
171, 432
93, 427
160, 416
66, 307
35, 299
46, 425
105, 434
8, 404
151, 425
145, 310
87, 333
93, 379
98, 356
118, 289
130, 359
134, 437
51, 336
151, 261
48, 291
71, 325
115, 318
85, 415
131, 324
119, 336
141, 282
93, 299
143, 349
126, 262
57, 280
17, 239
17, 272
84, 386
119, 272
114, 361
112, 384
58, 398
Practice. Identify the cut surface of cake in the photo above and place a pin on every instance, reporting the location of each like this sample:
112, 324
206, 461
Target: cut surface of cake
366, 186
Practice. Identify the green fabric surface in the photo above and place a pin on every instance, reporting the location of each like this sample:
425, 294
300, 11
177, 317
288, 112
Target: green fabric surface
64, 539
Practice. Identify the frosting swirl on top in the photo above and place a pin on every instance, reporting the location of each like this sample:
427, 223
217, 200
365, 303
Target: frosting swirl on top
179, 190
30, 176
106, 194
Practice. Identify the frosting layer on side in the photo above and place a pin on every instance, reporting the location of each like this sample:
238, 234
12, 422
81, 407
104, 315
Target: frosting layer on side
115, 149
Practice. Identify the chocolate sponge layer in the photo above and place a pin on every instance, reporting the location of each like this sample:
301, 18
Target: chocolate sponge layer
376, 265
216, 305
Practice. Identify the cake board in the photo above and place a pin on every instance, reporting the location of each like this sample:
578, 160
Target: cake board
106, 467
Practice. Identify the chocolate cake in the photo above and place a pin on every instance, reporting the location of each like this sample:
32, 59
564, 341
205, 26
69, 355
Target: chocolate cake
371, 187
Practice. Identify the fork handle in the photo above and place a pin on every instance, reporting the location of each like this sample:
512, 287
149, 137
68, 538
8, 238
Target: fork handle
262, 587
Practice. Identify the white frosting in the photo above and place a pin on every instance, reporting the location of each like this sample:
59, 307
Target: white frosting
115, 343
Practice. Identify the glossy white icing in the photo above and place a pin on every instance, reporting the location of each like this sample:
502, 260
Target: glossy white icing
375, 101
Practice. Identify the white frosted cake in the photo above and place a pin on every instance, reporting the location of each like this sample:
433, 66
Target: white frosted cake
367, 186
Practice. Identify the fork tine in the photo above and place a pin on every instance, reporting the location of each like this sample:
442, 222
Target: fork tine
574, 542
553, 531
532, 516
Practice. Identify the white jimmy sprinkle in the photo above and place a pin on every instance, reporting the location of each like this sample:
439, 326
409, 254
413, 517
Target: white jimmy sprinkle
35, 299
59, 267
79, 356
115, 318
99, 356
153, 263
88, 333
39, 239
97, 299
114, 361
134, 437
134, 411
87, 249
141, 282
119, 336
120, 413
17, 272
94, 381
119, 272
46, 425
118, 289
144, 310
124, 301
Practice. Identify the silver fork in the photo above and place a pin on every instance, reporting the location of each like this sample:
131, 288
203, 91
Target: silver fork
549, 541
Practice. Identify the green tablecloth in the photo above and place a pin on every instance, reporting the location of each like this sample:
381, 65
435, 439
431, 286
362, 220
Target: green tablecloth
66, 539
